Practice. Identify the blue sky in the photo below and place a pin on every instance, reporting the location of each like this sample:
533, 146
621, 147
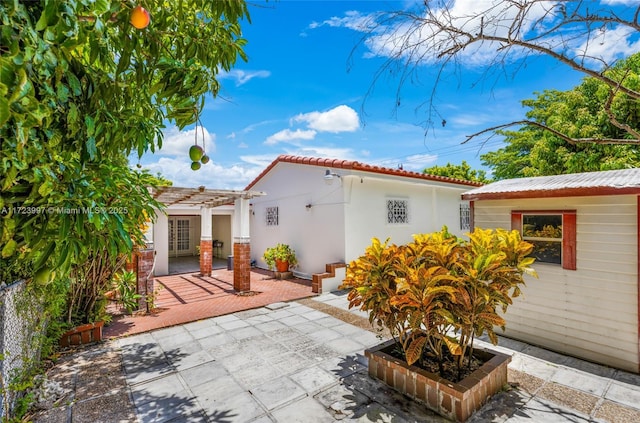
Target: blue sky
306, 91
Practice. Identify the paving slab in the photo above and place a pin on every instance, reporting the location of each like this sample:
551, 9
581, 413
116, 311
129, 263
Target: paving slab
165, 408
314, 379
191, 360
586, 382
240, 408
304, 411
251, 376
278, 392
624, 394
533, 366
203, 373
539, 410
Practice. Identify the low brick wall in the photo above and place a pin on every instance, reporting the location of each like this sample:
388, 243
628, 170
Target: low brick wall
456, 401
81, 335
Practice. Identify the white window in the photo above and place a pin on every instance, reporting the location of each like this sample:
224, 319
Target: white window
397, 211
272, 216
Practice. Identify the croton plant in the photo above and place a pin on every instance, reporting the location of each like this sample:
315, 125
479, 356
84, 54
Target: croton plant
439, 292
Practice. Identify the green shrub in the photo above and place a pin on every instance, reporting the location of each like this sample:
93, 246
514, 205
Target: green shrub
439, 292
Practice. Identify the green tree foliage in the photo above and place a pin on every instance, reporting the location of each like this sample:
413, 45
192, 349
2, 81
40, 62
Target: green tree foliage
578, 113
462, 171
80, 90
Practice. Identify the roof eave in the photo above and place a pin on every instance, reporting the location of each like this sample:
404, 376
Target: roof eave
555, 193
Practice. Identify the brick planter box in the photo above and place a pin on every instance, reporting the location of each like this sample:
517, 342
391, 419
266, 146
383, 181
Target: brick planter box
455, 401
85, 334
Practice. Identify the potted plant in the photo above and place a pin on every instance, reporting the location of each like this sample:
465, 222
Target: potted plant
435, 295
281, 257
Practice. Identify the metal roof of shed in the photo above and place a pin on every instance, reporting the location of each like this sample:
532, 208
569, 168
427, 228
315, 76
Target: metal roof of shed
610, 182
172, 196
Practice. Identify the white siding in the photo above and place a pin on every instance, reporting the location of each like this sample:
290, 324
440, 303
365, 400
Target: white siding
591, 312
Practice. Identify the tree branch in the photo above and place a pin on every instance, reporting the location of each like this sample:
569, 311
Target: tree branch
572, 141
614, 121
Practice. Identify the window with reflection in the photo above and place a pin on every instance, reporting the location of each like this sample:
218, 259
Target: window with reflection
544, 231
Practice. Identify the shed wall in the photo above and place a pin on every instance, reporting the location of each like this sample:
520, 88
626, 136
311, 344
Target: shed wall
591, 312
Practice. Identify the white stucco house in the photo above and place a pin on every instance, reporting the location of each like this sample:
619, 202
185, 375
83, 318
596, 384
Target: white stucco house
328, 210
586, 230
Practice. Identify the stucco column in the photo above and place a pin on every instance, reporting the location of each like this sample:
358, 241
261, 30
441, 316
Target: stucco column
206, 243
241, 246
161, 243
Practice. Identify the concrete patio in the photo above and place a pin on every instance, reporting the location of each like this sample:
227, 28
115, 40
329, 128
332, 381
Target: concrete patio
302, 361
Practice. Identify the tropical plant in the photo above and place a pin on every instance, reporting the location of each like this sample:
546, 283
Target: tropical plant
126, 288
439, 292
281, 252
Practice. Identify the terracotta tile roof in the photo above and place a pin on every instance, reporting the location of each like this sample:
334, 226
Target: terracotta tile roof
610, 182
353, 165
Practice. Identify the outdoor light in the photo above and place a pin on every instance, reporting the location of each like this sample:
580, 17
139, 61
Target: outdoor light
329, 175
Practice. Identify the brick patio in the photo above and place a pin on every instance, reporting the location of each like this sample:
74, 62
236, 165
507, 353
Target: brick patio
189, 297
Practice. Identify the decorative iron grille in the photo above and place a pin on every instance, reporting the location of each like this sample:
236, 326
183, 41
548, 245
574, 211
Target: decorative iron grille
272, 216
465, 217
397, 211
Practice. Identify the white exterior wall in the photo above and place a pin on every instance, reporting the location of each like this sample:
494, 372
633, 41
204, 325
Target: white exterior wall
591, 312
431, 206
345, 215
315, 233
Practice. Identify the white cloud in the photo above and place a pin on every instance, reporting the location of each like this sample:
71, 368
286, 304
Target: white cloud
414, 162
260, 161
353, 20
176, 142
339, 119
610, 45
323, 152
211, 175
289, 135
425, 42
242, 77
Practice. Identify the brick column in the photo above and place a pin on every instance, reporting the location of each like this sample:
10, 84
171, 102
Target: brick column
242, 265
206, 256
145, 276
132, 264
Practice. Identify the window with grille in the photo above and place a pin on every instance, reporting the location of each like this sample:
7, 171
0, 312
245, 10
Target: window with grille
272, 216
397, 211
465, 217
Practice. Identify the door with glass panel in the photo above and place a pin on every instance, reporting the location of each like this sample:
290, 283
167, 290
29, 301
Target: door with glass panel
179, 236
